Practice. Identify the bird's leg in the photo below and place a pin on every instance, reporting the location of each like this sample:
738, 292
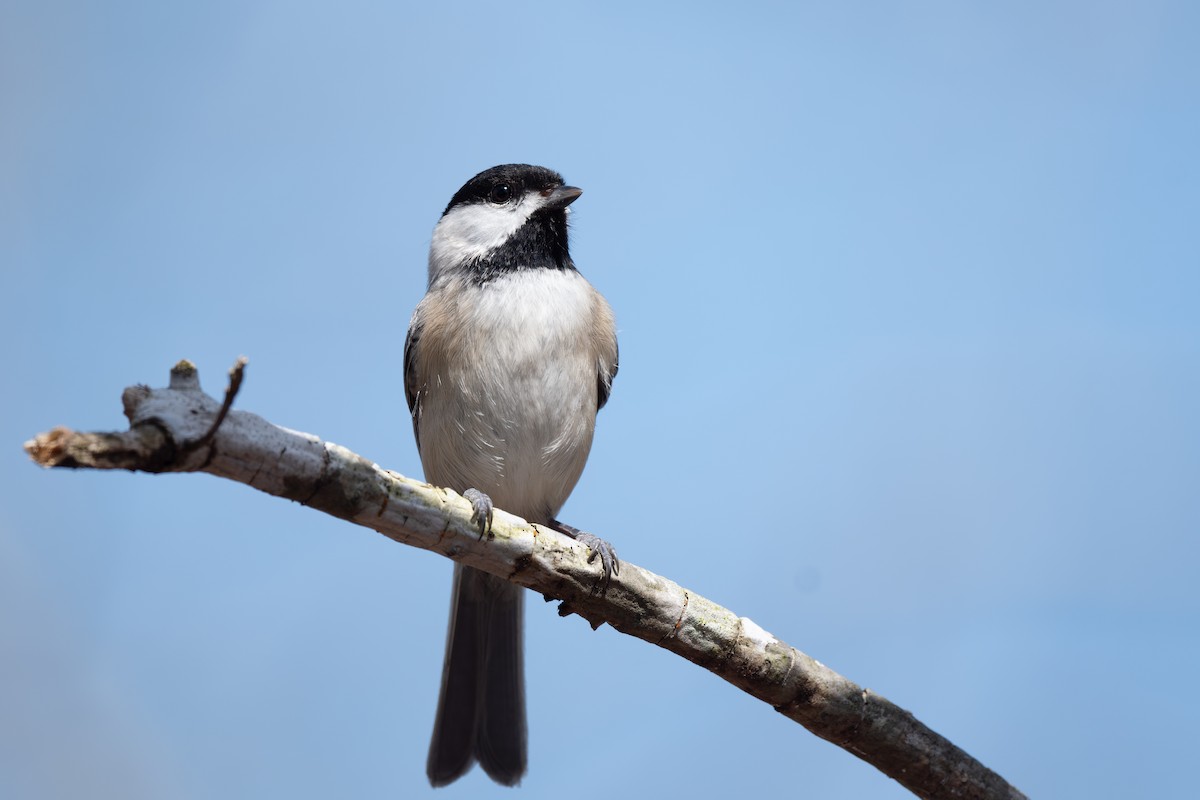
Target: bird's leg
609, 562
481, 510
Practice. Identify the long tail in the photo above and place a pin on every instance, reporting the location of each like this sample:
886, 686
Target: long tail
481, 707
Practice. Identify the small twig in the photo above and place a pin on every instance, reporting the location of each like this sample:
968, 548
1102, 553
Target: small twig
236, 373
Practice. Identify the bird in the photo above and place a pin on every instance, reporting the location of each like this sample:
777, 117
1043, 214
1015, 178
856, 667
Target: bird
508, 358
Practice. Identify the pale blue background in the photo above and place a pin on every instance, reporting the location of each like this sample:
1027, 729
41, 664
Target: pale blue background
909, 299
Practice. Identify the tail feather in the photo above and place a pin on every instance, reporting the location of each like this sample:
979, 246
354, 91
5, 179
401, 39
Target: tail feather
481, 707
500, 743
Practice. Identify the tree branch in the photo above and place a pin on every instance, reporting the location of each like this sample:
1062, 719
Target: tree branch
181, 429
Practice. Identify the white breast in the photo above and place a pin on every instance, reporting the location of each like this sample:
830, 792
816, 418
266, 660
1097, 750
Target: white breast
511, 387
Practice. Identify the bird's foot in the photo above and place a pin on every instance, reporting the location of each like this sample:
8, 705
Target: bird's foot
481, 510
609, 563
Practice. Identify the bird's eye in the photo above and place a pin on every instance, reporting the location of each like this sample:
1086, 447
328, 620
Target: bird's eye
500, 194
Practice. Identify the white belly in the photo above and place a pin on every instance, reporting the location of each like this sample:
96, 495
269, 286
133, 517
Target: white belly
511, 409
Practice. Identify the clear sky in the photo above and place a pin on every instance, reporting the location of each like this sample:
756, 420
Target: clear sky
909, 307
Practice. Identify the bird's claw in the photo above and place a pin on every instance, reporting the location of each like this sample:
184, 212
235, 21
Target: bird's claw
481, 510
609, 563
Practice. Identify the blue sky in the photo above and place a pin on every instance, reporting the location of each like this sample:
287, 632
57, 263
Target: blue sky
909, 307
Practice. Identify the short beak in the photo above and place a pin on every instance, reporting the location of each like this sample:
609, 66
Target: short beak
562, 197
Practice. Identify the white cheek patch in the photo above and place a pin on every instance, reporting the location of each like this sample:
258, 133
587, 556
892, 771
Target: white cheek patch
472, 231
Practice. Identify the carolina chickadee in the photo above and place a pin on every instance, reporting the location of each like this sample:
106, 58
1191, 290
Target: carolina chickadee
509, 356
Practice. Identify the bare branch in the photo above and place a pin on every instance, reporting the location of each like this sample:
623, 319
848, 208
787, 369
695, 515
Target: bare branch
181, 429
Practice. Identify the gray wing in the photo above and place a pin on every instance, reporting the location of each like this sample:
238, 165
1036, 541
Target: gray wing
414, 388
604, 377
603, 335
